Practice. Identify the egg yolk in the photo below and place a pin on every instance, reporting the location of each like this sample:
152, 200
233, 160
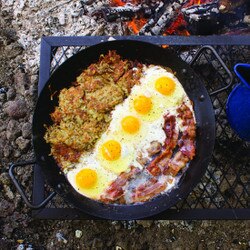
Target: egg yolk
86, 178
142, 104
111, 150
165, 85
130, 124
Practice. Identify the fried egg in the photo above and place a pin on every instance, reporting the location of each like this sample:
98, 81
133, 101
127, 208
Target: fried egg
88, 178
113, 155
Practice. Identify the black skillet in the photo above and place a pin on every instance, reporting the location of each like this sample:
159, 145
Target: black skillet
145, 53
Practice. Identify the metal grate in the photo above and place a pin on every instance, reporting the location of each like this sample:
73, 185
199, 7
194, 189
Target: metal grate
223, 192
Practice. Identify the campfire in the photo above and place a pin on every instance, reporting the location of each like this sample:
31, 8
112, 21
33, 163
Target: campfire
177, 17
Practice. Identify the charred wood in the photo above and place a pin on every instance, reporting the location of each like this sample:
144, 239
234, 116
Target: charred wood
169, 12
203, 11
111, 14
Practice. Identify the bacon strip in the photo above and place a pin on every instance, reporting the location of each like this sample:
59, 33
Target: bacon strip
186, 143
148, 190
160, 162
115, 190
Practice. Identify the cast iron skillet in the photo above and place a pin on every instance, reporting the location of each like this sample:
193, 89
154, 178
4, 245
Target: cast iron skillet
145, 53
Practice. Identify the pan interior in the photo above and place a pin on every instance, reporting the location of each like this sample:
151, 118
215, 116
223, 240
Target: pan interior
149, 54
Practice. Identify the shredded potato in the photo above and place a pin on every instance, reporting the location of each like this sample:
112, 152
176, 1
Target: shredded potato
83, 112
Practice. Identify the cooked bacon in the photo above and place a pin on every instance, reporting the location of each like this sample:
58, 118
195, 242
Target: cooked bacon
155, 147
148, 190
176, 163
186, 143
160, 162
142, 160
115, 190
188, 148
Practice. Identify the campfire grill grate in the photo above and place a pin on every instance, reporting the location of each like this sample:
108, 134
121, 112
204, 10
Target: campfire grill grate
223, 192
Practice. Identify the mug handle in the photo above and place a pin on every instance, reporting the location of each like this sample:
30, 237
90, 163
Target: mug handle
244, 77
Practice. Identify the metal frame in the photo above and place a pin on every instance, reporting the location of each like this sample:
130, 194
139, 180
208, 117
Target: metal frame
47, 46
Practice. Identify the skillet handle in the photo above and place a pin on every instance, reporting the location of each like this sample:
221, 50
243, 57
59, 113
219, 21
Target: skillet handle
230, 76
20, 190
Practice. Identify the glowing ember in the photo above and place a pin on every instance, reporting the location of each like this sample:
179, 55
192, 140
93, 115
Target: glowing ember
177, 27
117, 3
136, 24
196, 2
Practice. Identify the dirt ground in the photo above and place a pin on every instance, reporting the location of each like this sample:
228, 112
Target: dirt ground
18, 92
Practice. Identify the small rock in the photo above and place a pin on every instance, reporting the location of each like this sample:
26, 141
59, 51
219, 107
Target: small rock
6, 208
210, 245
22, 143
145, 223
34, 79
13, 50
201, 246
61, 19
116, 224
7, 151
21, 82
11, 94
2, 97
13, 130
97, 244
74, 13
118, 248
3, 90
120, 245
8, 192
4, 178
163, 223
26, 130
246, 19
17, 153
87, 1
3, 126
16, 109
60, 237
78, 233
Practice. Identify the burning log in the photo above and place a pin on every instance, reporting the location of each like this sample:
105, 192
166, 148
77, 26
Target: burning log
210, 17
202, 19
125, 13
170, 12
135, 12
203, 11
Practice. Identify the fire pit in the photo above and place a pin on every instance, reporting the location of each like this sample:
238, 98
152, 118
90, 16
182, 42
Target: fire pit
177, 17
223, 193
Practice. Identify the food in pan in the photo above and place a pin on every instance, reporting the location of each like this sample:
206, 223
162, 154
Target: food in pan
124, 132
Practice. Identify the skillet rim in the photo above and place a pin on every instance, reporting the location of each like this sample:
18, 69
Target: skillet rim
110, 209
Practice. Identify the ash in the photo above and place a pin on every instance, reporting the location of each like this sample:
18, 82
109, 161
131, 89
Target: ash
34, 19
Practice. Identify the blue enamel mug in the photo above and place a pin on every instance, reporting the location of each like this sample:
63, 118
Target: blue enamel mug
238, 103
